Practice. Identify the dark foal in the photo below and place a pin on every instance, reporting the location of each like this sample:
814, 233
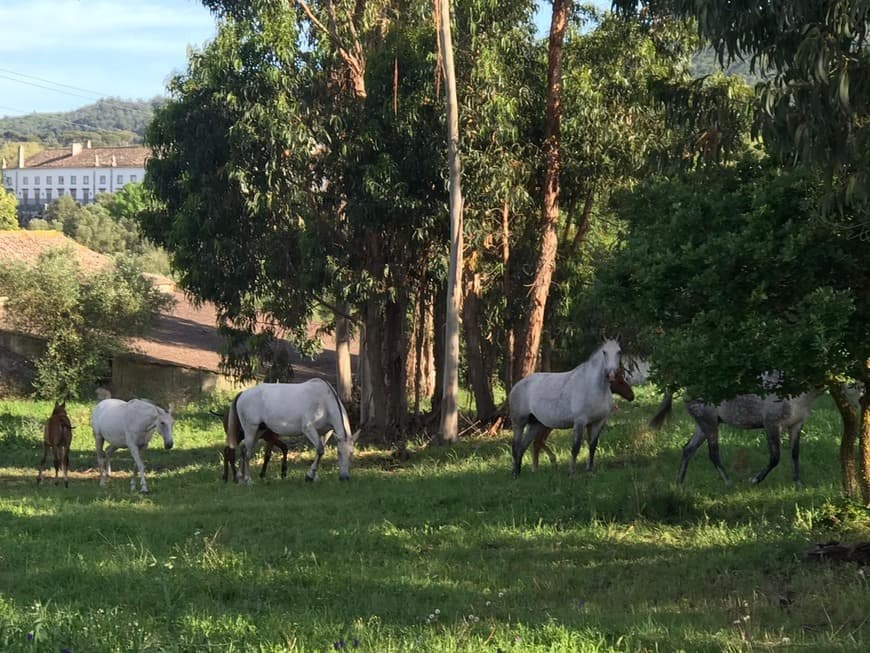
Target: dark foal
619, 386
57, 436
230, 450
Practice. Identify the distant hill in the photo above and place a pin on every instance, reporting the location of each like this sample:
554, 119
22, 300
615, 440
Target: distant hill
108, 122
706, 62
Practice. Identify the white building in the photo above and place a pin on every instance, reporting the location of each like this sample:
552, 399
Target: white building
80, 171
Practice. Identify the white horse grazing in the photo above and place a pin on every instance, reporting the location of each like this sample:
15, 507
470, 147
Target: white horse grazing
311, 408
581, 399
128, 424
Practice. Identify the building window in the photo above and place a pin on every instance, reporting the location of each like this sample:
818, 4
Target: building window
36, 180
60, 192
47, 194
60, 181
132, 179
102, 180
72, 179
25, 180
48, 179
72, 193
24, 195
86, 180
85, 195
102, 190
8, 181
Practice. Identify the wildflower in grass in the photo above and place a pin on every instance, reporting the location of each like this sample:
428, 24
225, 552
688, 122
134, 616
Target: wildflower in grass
355, 643
66, 650
517, 639
29, 637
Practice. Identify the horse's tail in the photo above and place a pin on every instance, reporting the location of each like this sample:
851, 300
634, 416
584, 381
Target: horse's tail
345, 420
232, 425
664, 411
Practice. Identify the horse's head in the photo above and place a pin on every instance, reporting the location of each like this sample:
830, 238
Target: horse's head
165, 424
620, 386
345, 455
611, 352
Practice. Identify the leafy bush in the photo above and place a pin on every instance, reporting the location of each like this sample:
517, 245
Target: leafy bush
84, 321
8, 211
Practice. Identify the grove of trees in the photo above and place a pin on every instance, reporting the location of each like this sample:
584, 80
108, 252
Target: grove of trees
301, 165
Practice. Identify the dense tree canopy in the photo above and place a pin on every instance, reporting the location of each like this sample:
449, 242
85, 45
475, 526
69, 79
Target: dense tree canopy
731, 274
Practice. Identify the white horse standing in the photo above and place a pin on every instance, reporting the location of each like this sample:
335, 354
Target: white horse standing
128, 424
311, 408
581, 399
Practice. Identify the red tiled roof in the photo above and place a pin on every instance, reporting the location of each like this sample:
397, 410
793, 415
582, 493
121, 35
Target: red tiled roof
90, 157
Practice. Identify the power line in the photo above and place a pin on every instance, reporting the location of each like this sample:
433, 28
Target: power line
48, 88
48, 81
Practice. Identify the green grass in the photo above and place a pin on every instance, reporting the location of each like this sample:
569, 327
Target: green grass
445, 552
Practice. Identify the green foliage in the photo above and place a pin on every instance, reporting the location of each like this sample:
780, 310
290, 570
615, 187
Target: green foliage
84, 321
108, 122
109, 226
729, 273
815, 103
8, 210
442, 553
9, 150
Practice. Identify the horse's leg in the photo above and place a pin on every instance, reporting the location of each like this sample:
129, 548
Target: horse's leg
318, 442
140, 467
794, 436
98, 442
112, 448
66, 465
275, 441
249, 445
524, 433
266, 457
774, 434
57, 454
540, 443
229, 459
45, 448
713, 450
594, 430
579, 427
691, 446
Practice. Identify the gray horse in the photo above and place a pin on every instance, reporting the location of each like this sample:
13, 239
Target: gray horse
771, 413
580, 399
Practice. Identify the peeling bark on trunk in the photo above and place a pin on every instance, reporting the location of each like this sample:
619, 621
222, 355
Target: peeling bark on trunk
850, 415
864, 439
343, 373
527, 355
506, 288
449, 430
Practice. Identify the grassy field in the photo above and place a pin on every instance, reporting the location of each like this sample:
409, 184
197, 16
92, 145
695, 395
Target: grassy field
445, 552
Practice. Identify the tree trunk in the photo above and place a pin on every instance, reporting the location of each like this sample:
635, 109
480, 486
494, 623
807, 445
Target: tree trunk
864, 438
449, 430
375, 366
506, 287
527, 355
395, 351
343, 374
478, 371
365, 380
850, 415
438, 329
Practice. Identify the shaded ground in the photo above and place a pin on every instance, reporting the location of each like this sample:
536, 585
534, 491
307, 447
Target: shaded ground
186, 335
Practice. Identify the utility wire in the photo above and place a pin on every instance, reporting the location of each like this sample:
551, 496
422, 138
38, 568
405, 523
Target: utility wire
48, 81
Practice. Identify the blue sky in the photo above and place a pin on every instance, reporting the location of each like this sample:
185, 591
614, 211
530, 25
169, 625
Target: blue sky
58, 55
96, 48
